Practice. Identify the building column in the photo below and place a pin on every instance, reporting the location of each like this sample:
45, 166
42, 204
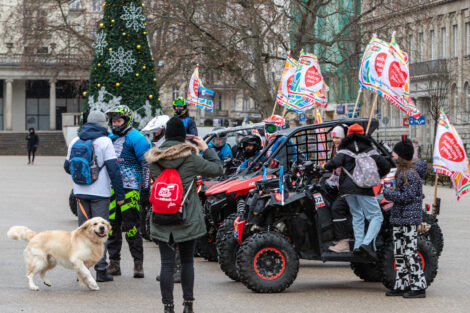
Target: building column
9, 105
52, 105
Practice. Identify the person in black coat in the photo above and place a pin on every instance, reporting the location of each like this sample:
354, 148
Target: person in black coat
362, 202
405, 217
32, 145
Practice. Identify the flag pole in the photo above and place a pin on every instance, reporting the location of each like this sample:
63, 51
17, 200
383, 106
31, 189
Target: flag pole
284, 111
435, 192
372, 112
274, 108
357, 101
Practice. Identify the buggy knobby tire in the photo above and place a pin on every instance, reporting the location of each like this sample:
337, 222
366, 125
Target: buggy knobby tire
206, 249
267, 263
227, 248
73, 203
426, 251
434, 234
369, 272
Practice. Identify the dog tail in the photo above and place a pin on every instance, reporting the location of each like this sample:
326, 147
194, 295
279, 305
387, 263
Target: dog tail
20, 232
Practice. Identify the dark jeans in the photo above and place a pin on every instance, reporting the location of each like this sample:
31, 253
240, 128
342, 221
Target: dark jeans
31, 151
167, 254
94, 208
125, 218
340, 214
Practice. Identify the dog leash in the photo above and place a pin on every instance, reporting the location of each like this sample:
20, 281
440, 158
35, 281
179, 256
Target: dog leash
81, 208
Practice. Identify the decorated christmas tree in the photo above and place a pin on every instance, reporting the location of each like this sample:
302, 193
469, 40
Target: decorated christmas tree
123, 70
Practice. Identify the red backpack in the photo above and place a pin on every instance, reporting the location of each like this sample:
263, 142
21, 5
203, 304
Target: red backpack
167, 199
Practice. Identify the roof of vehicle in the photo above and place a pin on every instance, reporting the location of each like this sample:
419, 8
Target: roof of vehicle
235, 129
348, 122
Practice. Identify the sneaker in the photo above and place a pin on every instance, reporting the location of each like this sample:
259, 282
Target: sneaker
114, 268
103, 276
369, 252
395, 293
138, 269
414, 294
340, 246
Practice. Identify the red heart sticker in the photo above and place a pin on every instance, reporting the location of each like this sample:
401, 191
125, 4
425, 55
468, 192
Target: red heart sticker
312, 77
396, 76
380, 63
289, 82
450, 149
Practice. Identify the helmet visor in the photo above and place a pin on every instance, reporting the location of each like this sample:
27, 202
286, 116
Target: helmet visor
270, 128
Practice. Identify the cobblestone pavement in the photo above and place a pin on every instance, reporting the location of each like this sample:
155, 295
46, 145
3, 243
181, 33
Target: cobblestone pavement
37, 196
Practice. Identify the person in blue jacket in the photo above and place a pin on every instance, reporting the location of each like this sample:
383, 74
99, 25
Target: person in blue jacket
219, 143
180, 109
251, 146
93, 200
130, 146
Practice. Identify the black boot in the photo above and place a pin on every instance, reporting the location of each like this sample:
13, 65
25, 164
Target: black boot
103, 276
138, 269
114, 268
413, 294
188, 306
369, 252
169, 308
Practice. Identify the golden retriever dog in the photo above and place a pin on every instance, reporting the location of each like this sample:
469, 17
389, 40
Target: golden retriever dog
77, 250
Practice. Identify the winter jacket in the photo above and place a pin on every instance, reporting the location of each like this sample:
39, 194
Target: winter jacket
33, 141
407, 199
364, 144
224, 152
189, 125
185, 158
106, 158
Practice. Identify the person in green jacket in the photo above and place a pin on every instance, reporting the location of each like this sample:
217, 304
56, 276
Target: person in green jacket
176, 153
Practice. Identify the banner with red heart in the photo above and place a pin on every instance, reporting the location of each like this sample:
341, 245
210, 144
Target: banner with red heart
380, 63
396, 76
312, 77
450, 149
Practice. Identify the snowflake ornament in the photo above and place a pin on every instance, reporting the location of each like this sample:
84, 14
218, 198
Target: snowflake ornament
100, 43
134, 17
121, 61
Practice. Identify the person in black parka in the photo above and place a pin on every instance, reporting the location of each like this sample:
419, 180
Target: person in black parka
33, 141
362, 202
405, 217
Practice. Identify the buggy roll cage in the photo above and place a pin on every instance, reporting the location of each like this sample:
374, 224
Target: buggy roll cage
315, 146
211, 135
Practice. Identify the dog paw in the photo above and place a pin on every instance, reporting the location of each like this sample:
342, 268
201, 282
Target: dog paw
34, 288
93, 286
47, 283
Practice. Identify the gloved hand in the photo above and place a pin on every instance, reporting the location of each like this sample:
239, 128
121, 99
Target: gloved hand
145, 197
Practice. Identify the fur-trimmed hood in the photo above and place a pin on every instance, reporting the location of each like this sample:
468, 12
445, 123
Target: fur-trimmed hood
169, 151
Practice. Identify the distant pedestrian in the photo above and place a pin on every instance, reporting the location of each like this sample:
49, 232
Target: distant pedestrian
175, 153
33, 141
405, 217
93, 199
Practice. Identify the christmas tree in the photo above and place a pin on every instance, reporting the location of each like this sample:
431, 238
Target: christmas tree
123, 71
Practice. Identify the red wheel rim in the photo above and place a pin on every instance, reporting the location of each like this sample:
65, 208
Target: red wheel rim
269, 263
421, 259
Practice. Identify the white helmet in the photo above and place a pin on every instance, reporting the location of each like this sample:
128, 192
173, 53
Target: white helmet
156, 124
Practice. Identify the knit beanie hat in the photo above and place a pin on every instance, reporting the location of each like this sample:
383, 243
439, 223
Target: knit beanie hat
404, 149
98, 118
338, 132
356, 129
175, 130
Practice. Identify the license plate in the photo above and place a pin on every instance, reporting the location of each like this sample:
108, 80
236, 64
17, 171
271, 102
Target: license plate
319, 202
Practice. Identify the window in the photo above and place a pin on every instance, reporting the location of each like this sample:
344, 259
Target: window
78, 28
246, 103
42, 50
432, 48
75, 5
219, 102
467, 26
175, 93
234, 102
420, 47
467, 97
37, 104
1, 105
455, 101
455, 43
410, 47
443, 43
96, 6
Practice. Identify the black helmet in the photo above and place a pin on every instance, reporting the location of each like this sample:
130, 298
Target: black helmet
253, 140
220, 139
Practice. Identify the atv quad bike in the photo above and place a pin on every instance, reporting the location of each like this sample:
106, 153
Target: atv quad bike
278, 228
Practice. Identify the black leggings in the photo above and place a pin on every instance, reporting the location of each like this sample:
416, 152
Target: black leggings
31, 151
167, 254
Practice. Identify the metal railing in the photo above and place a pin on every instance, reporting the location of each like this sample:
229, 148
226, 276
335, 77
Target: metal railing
44, 60
429, 68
